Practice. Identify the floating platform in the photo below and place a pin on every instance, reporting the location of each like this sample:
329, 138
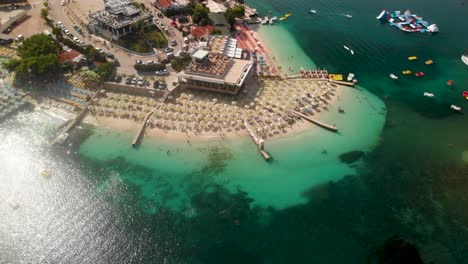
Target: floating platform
407, 22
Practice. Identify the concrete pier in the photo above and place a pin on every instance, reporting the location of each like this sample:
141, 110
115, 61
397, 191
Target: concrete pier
318, 123
139, 134
351, 84
258, 141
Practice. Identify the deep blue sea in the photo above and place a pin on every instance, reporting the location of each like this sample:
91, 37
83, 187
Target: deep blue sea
399, 168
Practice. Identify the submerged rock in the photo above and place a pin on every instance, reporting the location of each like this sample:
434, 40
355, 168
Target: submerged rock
352, 156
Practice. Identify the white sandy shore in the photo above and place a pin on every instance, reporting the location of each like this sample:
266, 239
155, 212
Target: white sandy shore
132, 126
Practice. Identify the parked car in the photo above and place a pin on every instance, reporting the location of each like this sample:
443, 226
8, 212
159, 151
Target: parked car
110, 55
66, 31
116, 62
117, 78
168, 49
173, 42
128, 80
161, 72
139, 62
160, 15
156, 84
141, 82
150, 62
134, 81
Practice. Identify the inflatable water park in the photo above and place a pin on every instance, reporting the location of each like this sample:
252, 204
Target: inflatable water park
407, 22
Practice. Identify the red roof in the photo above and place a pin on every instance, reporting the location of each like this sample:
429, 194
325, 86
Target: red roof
164, 3
68, 55
202, 31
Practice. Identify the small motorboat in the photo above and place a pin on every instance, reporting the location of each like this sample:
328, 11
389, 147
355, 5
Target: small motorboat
352, 52
465, 94
455, 108
406, 72
348, 16
46, 174
411, 58
428, 94
419, 74
350, 77
428, 62
346, 47
355, 81
464, 58
450, 83
393, 76
312, 11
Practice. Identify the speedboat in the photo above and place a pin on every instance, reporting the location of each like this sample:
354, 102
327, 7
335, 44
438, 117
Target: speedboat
346, 47
406, 72
348, 16
455, 108
465, 94
419, 74
352, 52
350, 77
412, 58
464, 58
428, 94
393, 76
312, 11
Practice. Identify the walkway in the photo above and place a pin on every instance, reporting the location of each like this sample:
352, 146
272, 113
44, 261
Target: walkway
139, 134
318, 123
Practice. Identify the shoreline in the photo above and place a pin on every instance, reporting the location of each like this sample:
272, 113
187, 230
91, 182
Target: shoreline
131, 126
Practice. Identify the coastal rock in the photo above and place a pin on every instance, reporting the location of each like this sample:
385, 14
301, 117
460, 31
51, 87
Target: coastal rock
352, 156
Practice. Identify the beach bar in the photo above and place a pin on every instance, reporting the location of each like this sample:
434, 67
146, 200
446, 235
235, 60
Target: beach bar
216, 72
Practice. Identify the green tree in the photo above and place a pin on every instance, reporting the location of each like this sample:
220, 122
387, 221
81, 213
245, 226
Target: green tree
106, 71
44, 13
200, 15
38, 60
231, 14
36, 45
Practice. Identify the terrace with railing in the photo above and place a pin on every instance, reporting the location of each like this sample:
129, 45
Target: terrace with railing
214, 65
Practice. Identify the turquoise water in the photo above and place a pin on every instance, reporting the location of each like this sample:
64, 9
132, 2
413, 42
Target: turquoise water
237, 164
396, 168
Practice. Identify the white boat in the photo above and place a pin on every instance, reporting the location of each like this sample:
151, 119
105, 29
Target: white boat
348, 16
464, 58
352, 52
428, 94
393, 76
312, 11
270, 21
346, 47
456, 108
350, 77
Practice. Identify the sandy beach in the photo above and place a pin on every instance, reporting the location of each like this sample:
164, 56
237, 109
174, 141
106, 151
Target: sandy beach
172, 133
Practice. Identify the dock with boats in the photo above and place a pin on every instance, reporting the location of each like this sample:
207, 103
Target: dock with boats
317, 122
141, 129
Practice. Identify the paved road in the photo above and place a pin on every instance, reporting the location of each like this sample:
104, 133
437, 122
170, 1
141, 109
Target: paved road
70, 18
